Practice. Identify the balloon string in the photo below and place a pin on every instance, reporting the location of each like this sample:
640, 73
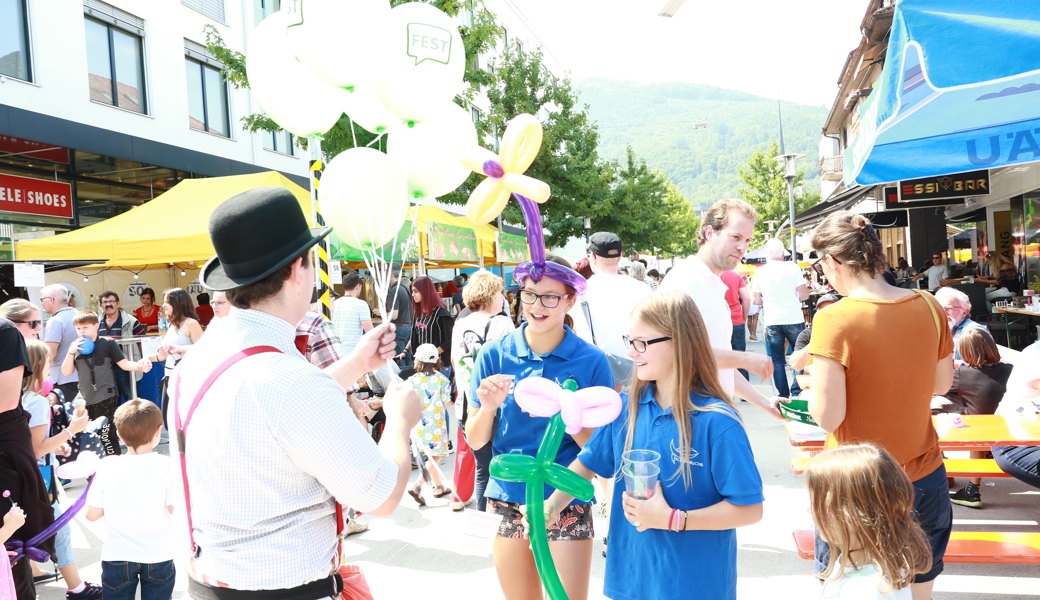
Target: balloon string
353, 134
53, 528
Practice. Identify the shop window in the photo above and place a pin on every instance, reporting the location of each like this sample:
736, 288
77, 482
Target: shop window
213, 9
207, 98
115, 65
279, 141
15, 60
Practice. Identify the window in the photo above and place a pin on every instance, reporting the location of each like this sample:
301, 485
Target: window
213, 9
281, 141
207, 98
265, 8
519, 47
115, 65
505, 39
14, 40
476, 114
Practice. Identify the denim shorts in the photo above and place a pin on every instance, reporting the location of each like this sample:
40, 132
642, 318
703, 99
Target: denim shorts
933, 511
575, 521
63, 554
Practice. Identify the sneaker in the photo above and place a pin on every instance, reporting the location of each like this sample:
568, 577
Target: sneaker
354, 526
456, 506
91, 592
967, 496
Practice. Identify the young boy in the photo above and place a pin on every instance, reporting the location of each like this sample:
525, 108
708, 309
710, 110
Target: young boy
98, 387
135, 493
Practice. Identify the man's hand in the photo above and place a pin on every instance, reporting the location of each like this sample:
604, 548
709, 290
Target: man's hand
403, 403
374, 349
494, 390
759, 364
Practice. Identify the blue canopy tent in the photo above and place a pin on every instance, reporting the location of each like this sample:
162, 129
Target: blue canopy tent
960, 91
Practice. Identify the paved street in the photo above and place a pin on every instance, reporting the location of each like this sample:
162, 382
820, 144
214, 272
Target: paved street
413, 553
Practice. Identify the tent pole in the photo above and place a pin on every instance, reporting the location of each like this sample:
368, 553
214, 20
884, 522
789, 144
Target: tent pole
321, 273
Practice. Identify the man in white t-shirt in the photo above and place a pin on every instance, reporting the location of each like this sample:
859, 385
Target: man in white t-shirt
780, 289
609, 298
725, 231
937, 274
351, 316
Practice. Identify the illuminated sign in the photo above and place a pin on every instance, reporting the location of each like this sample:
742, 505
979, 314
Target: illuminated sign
961, 185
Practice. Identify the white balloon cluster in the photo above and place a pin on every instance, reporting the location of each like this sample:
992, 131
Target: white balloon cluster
392, 71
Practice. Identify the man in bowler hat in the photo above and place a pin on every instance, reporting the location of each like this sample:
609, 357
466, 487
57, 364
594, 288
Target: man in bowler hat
272, 445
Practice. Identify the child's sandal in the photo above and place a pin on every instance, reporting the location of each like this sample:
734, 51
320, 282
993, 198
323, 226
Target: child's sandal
441, 491
416, 494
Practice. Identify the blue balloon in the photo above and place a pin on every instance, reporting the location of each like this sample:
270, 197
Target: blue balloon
87, 346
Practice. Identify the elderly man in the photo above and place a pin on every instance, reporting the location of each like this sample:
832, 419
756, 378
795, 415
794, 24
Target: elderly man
59, 336
726, 230
265, 486
116, 324
220, 304
957, 306
780, 289
937, 272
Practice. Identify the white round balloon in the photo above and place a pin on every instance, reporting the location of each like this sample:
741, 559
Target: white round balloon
365, 108
289, 93
338, 39
424, 63
362, 196
429, 152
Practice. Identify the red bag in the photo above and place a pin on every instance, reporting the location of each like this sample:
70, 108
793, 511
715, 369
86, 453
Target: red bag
355, 586
465, 469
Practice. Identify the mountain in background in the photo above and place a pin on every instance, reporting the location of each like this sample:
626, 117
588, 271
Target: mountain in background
658, 121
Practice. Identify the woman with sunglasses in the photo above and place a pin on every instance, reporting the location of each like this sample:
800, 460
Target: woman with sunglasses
544, 346
25, 316
880, 329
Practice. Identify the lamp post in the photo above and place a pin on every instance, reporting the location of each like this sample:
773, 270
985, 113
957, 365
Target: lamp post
588, 229
790, 173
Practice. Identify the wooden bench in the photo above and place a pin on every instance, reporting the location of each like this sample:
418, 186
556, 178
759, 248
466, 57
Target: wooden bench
955, 467
965, 547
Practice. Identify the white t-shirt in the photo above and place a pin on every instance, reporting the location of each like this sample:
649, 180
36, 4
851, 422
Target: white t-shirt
861, 584
134, 491
936, 273
347, 314
611, 299
709, 294
465, 337
778, 281
39, 414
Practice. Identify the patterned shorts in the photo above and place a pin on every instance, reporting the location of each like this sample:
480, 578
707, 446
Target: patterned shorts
575, 521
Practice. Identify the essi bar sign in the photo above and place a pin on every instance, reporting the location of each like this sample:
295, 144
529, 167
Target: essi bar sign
961, 185
28, 196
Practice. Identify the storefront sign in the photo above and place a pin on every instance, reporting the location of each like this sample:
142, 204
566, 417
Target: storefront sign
28, 196
961, 185
30, 149
451, 244
1003, 234
403, 249
511, 248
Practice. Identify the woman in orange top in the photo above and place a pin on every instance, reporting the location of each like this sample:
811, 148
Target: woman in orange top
873, 354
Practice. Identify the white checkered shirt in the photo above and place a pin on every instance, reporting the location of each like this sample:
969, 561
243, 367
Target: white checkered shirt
269, 447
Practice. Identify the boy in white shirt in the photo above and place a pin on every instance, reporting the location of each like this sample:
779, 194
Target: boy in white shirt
134, 493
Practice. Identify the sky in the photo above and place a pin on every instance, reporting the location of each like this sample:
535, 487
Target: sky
791, 48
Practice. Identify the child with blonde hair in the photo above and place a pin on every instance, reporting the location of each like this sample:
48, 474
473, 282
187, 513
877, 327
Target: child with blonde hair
862, 502
434, 390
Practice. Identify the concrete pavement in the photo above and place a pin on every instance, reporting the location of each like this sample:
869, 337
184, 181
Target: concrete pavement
415, 552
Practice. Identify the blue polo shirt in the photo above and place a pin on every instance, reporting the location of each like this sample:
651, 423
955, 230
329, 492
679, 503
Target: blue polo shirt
722, 468
518, 432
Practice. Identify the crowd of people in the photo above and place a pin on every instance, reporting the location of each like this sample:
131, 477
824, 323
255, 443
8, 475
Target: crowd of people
279, 393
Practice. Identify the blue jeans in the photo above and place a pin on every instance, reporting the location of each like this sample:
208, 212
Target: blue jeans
119, 580
401, 337
776, 335
738, 342
1021, 462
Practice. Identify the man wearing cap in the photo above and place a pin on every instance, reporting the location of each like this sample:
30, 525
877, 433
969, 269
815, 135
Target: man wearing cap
602, 315
267, 443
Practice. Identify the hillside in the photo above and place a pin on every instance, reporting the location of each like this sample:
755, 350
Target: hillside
657, 120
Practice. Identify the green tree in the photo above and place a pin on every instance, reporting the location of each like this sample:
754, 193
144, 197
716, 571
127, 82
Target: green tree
766, 189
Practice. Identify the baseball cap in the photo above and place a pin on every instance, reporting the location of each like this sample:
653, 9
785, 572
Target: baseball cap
426, 353
605, 244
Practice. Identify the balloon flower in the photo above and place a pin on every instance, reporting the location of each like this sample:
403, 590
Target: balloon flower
570, 410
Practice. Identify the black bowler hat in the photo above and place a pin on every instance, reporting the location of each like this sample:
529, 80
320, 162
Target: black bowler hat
605, 244
256, 233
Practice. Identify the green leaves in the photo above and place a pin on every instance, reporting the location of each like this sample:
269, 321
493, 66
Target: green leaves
766, 189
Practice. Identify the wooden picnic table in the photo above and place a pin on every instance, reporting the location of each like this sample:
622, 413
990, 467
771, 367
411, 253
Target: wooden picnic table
1019, 314
980, 432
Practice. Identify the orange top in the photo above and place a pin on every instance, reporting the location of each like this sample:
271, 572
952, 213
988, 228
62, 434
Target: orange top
890, 350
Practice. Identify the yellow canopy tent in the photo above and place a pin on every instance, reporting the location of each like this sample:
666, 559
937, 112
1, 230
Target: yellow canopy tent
173, 228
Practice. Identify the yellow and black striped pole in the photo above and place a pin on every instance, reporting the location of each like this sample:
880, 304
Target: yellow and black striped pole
322, 272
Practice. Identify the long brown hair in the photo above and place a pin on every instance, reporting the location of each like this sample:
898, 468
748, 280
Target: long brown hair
852, 240
977, 348
183, 308
675, 315
860, 495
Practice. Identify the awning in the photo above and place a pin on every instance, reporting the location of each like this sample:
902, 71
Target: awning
841, 201
888, 219
960, 91
974, 216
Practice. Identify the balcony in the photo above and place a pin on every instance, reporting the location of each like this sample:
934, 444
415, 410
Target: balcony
831, 167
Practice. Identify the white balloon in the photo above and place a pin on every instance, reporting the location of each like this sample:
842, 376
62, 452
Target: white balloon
429, 152
362, 196
338, 39
289, 93
365, 108
424, 63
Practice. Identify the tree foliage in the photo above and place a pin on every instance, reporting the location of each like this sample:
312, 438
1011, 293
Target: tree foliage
766, 189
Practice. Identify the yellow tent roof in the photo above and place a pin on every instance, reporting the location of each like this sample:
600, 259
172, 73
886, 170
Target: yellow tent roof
429, 212
172, 228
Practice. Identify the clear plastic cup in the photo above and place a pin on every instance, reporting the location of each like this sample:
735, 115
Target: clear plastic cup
640, 469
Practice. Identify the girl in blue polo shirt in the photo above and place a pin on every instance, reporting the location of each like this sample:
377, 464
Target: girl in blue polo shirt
680, 542
544, 346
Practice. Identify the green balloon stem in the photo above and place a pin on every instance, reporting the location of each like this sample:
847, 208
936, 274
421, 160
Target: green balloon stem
411, 124
350, 89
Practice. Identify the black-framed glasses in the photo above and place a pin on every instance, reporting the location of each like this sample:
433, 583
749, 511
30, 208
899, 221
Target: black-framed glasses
32, 324
818, 267
640, 345
548, 300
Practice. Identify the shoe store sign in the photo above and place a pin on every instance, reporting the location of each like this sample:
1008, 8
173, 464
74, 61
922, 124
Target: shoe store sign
41, 197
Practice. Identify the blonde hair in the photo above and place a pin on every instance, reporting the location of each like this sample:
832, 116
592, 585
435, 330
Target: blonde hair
39, 354
977, 347
717, 217
860, 495
17, 309
483, 289
85, 316
675, 315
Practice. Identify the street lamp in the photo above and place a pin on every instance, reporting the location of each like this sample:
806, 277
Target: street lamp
588, 229
790, 173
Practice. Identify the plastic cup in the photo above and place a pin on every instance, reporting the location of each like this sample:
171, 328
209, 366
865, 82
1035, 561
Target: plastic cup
640, 469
